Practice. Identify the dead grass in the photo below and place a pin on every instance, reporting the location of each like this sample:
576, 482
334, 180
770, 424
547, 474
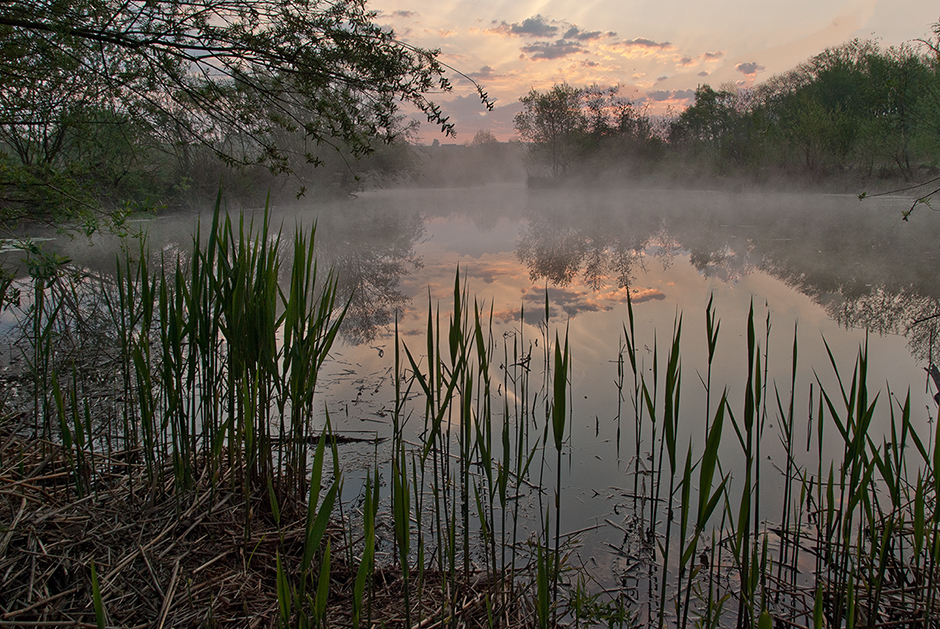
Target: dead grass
168, 560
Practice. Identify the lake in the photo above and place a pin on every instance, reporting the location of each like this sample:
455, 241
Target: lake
839, 275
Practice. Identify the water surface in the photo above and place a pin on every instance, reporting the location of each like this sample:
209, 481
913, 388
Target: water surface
827, 269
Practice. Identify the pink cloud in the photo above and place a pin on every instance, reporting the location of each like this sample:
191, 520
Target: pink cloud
638, 296
749, 68
576, 33
642, 42
552, 50
535, 26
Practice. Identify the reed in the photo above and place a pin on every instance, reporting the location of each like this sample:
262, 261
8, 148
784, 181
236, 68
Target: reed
100, 613
559, 417
218, 354
366, 564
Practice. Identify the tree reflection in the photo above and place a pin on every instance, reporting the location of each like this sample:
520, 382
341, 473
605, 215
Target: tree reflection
561, 249
902, 312
832, 253
560, 253
554, 254
722, 262
369, 252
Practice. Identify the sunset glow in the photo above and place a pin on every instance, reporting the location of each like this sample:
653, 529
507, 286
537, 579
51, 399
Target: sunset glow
657, 52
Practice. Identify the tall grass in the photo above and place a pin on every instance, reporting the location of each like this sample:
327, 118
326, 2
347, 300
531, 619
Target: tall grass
223, 358
218, 354
856, 507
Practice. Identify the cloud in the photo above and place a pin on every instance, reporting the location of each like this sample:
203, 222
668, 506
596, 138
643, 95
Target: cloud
661, 78
407, 14
711, 56
638, 296
445, 34
535, 26
703, 73
639, 47
552, 50
536, 294
576, 33
488, 275
486, 72
642, 42
659, 96
685, 61
560, 38
749, 68
571, 302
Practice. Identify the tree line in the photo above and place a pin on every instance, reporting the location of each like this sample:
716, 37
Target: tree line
857, 110
108, 104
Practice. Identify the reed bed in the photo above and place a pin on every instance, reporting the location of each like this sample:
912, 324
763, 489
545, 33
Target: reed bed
174, 563
174, 476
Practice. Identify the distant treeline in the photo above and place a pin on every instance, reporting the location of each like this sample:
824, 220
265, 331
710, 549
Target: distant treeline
854, 112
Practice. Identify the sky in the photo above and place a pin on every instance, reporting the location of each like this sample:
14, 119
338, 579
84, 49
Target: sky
656, 51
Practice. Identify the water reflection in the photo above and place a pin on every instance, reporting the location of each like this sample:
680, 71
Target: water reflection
589, 250
557, 252
904, 312
369, 251
865, 269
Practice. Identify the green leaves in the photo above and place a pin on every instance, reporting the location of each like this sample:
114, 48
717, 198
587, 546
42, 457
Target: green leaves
368, 552
97, 94
327, 72
707, 500
550, 122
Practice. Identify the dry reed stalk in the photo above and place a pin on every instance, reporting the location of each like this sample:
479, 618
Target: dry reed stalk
165, 564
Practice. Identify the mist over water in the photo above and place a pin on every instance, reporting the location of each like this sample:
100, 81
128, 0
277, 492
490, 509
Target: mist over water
824, 267
819, 266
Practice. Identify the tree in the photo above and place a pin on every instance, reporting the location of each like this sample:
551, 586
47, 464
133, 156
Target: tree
229, 75
483, 137
706, 123
552, 123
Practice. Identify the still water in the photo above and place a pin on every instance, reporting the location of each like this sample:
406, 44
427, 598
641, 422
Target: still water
826, 269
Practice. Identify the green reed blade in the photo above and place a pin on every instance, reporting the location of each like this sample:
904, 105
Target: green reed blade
365, 564
285, 595
101, 614
323, 587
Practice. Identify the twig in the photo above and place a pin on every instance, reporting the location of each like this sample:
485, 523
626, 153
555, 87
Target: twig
18, 612
427, 624
168, 599
11, 529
